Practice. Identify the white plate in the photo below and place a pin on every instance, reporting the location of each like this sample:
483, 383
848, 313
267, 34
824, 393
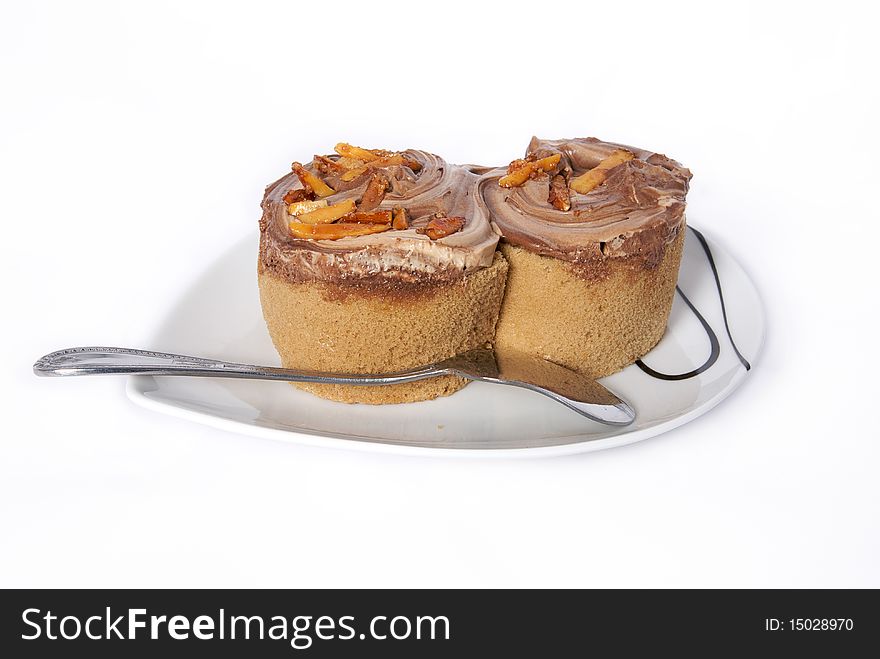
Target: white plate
219, 317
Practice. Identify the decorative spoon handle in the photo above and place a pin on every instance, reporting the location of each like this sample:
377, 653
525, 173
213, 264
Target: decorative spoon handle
130, 361
577, 392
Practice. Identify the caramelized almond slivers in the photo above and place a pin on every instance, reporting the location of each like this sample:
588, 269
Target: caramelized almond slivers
397, 159
327, 214
516, 178
311, 181
596, 176
300, 207
384, 161
378, 162
335, 231
328, 165
519, 163
440, 227
346, 229
349, 163
548, 163
352, 174
369, 217
559, 195
374, 192
523, 172
400, 221
299, 194
349, 151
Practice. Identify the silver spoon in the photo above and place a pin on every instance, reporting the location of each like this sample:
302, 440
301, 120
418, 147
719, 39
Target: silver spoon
578, 392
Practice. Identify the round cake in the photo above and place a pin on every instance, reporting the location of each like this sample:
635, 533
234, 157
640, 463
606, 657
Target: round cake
593, 233
375, 262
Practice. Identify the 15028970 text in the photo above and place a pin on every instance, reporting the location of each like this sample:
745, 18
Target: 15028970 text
809, 624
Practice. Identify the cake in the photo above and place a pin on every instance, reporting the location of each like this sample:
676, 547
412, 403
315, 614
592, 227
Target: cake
593, 233
374, 262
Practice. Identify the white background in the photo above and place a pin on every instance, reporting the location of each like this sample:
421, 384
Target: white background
136, 140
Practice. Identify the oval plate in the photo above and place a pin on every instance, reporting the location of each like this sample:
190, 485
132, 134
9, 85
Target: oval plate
714, 335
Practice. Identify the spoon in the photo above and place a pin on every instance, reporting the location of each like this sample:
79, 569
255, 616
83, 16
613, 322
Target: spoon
577, 392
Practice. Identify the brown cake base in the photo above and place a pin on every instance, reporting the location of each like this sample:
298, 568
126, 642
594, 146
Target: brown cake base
594, 323
323, 326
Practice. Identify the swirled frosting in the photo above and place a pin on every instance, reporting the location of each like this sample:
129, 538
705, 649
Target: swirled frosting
396, 256
635, 213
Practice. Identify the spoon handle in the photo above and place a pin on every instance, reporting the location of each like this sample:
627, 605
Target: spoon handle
130, 361
579, 393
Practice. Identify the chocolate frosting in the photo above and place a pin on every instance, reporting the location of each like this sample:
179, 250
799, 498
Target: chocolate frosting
395, 256
635, 213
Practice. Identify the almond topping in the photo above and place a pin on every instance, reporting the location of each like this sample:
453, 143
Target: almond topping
386, 161
442, 226
327, 214
350, 151
375, 192
560, 195
328, 165
300, 194
400, 222
311, 181
522, 170
354, 173
300, 207
519, 163
596, 176
397, 159
334, 231
349, 163
369, 217
516, 178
